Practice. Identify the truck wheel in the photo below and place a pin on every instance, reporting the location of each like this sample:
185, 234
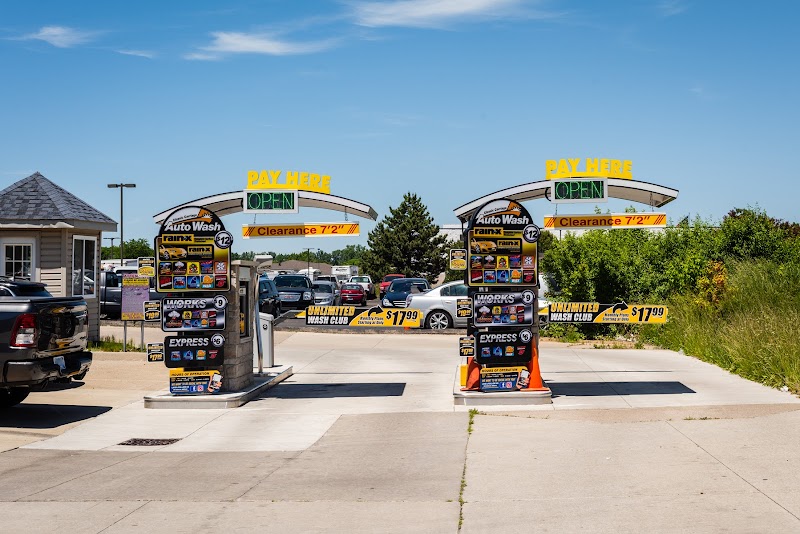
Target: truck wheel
12, 396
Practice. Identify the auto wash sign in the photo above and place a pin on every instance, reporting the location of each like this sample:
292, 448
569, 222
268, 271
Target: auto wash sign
194, 252
502, 245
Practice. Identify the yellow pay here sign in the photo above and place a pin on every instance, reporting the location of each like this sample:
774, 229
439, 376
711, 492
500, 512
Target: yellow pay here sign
609, 220
300, 230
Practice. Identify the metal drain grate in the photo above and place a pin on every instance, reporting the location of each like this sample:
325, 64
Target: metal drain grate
143, 442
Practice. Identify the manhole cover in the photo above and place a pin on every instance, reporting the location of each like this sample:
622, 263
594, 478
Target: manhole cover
143, 442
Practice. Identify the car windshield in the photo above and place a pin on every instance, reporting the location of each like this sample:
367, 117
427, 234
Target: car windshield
291, 281
352, 287
31, 291
408, 286
324, 288
360, 279
390, 277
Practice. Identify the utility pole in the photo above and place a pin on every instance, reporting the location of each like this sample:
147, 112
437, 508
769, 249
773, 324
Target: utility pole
112, 244
121, 188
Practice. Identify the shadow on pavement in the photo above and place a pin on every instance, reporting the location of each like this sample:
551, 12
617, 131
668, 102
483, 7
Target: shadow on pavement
29, 415
598, 389
61, 386
325, 391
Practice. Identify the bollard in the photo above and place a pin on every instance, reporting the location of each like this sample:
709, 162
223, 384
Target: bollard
266, 341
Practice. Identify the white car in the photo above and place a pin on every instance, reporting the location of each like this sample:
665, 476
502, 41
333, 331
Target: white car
366, 282
438, 306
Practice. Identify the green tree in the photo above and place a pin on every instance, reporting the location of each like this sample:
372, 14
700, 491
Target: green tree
349, 255
406, 241
138, 248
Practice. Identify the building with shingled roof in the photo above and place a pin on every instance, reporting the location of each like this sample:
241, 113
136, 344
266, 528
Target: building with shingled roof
49, 235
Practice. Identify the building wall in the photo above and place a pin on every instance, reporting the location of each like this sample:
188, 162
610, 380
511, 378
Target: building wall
92, 302
52, 270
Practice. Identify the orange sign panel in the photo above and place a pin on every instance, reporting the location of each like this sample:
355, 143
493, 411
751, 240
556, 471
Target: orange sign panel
609, 220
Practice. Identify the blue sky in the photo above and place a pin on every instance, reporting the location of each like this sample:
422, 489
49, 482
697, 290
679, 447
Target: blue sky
449, 99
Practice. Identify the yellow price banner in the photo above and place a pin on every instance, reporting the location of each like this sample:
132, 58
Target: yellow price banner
593, 312
375, 316
300, 230
609, 220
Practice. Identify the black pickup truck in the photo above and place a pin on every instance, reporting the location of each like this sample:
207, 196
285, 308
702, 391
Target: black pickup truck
42, 339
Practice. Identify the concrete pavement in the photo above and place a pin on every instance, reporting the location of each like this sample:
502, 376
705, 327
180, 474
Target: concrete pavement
365, 438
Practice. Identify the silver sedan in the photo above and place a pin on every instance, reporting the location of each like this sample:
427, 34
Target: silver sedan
439, 306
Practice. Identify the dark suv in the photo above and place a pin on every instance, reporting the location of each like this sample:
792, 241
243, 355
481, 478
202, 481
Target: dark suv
295, 290
269, 301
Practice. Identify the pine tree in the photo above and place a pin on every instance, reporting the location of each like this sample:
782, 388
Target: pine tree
406, 241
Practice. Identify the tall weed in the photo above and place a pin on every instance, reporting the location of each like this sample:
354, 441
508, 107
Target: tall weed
752, 331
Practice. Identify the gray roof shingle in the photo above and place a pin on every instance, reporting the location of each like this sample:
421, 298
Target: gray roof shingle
37, 198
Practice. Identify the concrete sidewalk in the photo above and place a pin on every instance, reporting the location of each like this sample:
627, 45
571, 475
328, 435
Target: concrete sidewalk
365, 438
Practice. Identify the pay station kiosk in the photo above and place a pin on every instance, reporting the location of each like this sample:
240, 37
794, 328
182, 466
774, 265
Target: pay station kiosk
207, 314
502, 345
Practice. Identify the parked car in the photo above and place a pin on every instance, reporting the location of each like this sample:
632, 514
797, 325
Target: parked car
295, 290
326, 293
438, 306
269, 300
42, 339
353, 294
400, 288
328, 278
366, 283
386, 281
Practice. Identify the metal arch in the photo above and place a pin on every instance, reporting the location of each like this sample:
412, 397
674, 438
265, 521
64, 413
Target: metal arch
233, 202
633, 190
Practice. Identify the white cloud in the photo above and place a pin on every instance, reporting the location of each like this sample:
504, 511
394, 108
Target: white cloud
431, 13
61, 36
669, 8
138, 53
197, 56
259, 43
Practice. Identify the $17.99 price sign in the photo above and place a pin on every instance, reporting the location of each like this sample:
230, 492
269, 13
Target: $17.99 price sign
375, 316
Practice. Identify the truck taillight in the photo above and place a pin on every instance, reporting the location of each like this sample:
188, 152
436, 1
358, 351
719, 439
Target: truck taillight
24, 333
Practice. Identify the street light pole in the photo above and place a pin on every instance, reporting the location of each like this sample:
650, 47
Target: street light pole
121, 188
308, 259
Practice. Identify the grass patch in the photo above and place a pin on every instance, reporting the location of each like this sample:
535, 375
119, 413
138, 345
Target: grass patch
109, 344
751, 331
472, 413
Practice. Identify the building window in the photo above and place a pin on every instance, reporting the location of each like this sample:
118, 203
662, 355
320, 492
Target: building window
84, 269
18, 260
